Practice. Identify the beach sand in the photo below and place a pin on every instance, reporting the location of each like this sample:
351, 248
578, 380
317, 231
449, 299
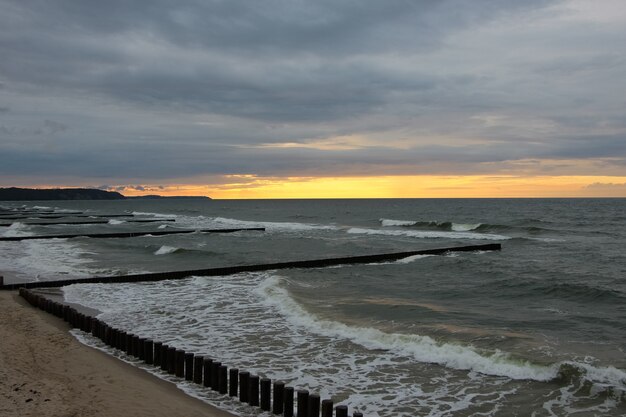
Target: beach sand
45, 371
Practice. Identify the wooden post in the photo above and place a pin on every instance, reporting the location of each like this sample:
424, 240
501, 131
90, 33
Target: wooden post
266, 392
341, 411
171, 360
327, 408
215, 372
253, 397
102, 329
107, 332
141, 352
165, 364
115, 336
189, 366
288, 412
66, 316
279, 397
157, 354
148, 351
129, 343
206, 364
314, 405
233, 382
303, 403
223, 379
197, 369
244, 386
357, 414
135, 350
180, 363
123, 341
87, 324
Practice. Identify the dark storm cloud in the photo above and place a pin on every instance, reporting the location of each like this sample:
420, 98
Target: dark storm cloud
160, 89
276, 60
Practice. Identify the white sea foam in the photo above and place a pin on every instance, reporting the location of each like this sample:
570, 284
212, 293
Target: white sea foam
200, 222
17, 229
456, 227
413, 258
396, 223
164, 250
428, 234
48, 259
115, 222
252, 322
280, 226
143, 213
465, 227
422, 348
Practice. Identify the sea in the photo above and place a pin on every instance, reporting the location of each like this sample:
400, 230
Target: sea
536, 329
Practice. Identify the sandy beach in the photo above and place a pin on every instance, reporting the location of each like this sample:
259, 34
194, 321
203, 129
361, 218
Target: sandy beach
45, 371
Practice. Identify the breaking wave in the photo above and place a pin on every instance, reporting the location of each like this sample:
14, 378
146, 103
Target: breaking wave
17, 229
164, 250
428, 234
461, 227
426, 349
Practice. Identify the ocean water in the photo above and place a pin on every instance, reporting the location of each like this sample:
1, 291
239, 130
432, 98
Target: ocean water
538, 329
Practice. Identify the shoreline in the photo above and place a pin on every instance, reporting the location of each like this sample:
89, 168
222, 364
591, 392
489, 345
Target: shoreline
45, 371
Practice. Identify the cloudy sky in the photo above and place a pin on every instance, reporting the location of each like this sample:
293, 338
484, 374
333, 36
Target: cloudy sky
280, 98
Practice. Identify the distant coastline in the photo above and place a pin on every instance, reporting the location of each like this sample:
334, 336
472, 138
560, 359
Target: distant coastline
35, 194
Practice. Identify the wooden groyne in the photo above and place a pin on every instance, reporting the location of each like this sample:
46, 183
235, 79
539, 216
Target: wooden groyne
128, 234
70, 223
39, 212
317, 263
266, 394
60, 216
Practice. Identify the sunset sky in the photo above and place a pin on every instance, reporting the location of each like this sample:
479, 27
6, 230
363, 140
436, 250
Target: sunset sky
316, 98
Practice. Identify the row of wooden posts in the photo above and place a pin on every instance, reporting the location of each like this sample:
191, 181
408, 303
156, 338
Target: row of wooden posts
268, 395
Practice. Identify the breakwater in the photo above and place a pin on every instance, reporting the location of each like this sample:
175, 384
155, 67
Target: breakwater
230, 270
266, 394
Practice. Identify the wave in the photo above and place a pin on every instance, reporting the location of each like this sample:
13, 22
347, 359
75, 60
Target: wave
410, 259
114, 222
164, 250
581, 292
421, 348
427, 350
449, 226
225, 222
143, 213
50, 259
17, 229
281, 226
463, 227
425, 234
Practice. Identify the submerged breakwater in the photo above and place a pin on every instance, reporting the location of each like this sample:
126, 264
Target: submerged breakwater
533, 330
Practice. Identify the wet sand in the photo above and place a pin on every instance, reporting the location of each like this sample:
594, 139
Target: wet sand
45, 371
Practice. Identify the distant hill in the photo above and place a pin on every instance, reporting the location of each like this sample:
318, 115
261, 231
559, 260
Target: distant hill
30, 194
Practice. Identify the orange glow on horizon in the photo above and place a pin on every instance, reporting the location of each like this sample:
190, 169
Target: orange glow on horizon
426, 186
421, 186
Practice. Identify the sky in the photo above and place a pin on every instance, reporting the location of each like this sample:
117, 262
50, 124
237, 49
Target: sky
315, 98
